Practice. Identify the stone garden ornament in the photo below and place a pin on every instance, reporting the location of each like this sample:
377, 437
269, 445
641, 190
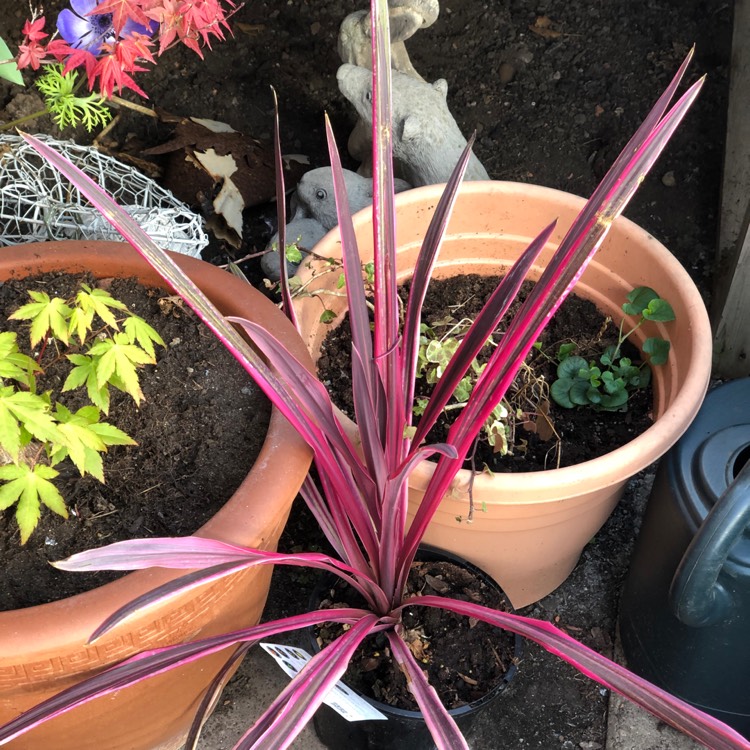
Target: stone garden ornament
314, 213
427, 142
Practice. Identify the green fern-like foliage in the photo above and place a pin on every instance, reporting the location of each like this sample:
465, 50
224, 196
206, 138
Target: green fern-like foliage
106, 346
67, 108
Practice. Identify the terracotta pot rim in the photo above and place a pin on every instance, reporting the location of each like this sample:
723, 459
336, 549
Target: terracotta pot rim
662, 434
284, 454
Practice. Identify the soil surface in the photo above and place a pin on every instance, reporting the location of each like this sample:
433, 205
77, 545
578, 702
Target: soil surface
193, 445
453, 649
554, 89
546, 435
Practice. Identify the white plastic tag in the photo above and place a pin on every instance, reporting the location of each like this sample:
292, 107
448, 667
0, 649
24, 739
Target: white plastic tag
340, 698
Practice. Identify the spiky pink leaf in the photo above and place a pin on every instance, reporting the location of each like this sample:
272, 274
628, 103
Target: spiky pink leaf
367, 392
386, 322
563, 271
155, 662
359, 321
443, 729
482, 326
423, 269
679, 714
168, 269
213, 559
286, 295
313, 400
285, 718
212, 694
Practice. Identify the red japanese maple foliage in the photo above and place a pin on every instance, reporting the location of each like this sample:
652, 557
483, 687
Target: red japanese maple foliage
128, 30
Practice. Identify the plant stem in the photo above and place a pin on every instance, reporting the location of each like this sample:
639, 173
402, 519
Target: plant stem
25, 118
118, 102
622, 339
115, 101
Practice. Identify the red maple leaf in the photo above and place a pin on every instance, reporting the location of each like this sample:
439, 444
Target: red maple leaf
122, 11
112, 74
189, 21
32, 30
167, 14
76, 58
30, 55
135, 47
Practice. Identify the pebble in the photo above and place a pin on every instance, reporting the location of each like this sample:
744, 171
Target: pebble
506, 73
668, 179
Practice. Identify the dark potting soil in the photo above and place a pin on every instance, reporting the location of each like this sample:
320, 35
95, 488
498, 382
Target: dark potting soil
463, 658
198, 430
584, 433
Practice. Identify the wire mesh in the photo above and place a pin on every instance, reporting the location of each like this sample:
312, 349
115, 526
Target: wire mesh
37, 203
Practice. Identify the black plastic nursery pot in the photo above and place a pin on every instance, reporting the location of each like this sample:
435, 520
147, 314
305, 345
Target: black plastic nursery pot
685, 612
403, 729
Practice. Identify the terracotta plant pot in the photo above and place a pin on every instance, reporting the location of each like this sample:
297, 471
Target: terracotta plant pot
42, 648
529, 528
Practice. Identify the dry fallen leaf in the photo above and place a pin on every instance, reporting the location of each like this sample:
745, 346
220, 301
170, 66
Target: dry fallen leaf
228, 203
251, 29
436, 583
545, 27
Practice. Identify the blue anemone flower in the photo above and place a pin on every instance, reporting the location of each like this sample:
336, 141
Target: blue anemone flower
82, 31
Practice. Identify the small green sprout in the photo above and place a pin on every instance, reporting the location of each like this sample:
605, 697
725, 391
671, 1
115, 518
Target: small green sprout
65, 105
106, 344
608, 383
292, 252
433, 356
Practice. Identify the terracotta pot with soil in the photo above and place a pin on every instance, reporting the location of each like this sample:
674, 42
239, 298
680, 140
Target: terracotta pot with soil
529, 528
43, 648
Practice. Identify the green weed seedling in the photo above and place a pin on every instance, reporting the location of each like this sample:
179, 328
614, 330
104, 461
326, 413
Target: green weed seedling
433, 356
105, 345
608, 383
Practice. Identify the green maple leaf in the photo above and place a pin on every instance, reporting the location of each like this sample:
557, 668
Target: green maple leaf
111, 435
22, 411
45, 314
84, 373
30, 488
140, 332
90, 302
86, 439
14, 364
118, 357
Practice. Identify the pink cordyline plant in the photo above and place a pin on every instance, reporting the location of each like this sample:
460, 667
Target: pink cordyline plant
113, 39
361, 505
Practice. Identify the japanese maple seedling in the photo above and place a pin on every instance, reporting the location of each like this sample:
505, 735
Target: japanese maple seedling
106, 344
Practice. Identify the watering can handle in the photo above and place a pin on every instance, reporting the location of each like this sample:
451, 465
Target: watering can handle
696, 596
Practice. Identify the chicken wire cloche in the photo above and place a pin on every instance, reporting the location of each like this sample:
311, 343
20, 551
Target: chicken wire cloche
37, 203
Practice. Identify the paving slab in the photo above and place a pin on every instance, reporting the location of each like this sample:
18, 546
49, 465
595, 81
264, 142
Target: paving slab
630, 727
